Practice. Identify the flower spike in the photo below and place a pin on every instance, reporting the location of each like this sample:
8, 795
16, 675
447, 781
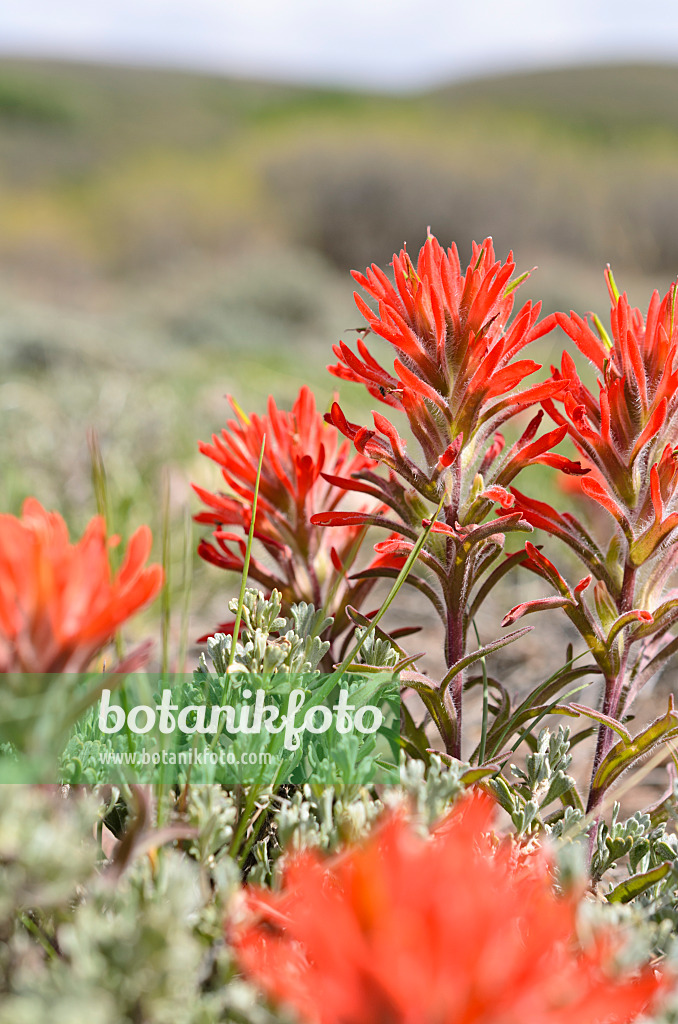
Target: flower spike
628, 438
454, 375
306, 468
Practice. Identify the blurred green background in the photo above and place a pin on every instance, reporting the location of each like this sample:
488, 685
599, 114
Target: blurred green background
169, 237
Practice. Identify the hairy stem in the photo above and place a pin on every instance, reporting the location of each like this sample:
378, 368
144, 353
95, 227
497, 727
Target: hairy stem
454, 650
614, 686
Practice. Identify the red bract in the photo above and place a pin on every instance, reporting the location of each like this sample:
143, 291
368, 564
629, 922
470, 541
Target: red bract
449, 930
454, 376
627, 434
633, 418
303, 470
59, 603
454, 352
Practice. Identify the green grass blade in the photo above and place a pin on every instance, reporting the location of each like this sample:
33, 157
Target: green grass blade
165, 596
248, 553
327, 687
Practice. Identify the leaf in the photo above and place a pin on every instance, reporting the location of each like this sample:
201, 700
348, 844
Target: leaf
398, 634
529, 707
503, 710
406, 662
625, 753
662, 619
536, 605
598, 716
361, 669
474, 775
471, 775
482, 652
419, 682
362, 620
511, 523
412, 736
627, 619
637, 884
361, 519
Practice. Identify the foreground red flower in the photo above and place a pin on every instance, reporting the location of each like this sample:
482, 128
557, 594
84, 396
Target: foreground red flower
59, 604
303, 470
450, 930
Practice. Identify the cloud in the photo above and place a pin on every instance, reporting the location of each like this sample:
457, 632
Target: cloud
364, 42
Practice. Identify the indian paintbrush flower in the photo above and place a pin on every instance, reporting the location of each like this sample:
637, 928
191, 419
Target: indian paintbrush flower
454, 377
59, 602
304, 464
451, 929
627, 435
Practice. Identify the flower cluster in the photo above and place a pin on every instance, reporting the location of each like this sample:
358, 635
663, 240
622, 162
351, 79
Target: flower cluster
306, 467
627, 435
433, 931
455, 375
59, 604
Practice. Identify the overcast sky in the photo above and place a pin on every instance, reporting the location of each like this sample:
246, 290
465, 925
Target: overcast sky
373, 43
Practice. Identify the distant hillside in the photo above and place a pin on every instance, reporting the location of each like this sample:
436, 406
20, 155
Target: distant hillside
610, 97
167, 237
109, 172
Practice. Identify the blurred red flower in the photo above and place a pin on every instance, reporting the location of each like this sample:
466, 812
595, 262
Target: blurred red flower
59, 603
305, 468
451, 930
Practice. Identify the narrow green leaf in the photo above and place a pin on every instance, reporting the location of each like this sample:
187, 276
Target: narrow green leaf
481, 653
598, 716
625, 753
549, 688
474, 775
549, 709
637, 884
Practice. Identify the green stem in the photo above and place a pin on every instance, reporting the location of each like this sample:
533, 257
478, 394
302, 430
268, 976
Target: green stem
31, 927
248, 553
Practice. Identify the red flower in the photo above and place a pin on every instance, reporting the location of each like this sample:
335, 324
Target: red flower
455, 375
627, 434
632, 421
454, 348
58, 603
305, 468
450, 930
